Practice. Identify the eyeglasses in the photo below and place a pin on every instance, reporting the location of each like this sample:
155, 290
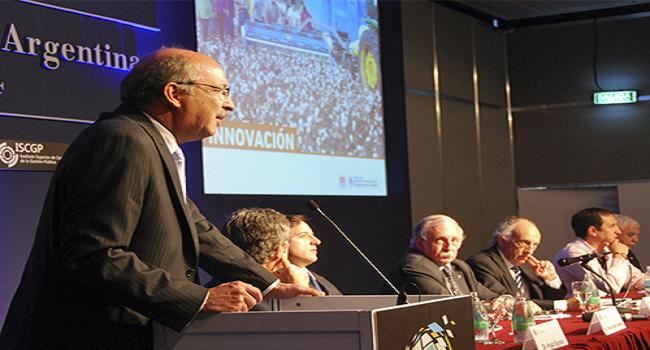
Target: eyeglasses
526, 244
224, 91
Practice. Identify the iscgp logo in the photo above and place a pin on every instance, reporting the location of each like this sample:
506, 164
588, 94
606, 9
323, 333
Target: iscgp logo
8, 155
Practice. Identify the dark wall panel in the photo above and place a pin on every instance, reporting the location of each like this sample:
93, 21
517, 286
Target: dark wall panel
560, 137
454, 43
582, 145
490, 63
552, 65
460, 157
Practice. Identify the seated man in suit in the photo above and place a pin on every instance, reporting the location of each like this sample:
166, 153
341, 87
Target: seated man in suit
264, 235
597, 232
430, 266
630, 230
509, 266
303, 251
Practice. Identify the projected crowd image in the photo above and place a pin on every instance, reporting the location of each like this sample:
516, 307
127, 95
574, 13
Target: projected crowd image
305, 77
303, 65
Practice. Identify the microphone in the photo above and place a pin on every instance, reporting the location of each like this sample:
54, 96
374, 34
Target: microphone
580, 259
587, 316
401, 299
609, 285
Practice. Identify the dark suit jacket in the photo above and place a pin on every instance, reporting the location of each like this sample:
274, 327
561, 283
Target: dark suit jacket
415, 268
634, 260
116, 246
328, 287
491, 270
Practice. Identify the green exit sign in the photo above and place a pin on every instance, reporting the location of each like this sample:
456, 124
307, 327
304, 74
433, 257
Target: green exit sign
613, 97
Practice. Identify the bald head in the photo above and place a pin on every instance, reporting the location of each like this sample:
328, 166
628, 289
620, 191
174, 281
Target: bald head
186, 91
144, 84
194, 57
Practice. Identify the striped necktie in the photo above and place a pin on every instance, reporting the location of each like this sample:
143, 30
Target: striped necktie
451, 282
179, 159
519, 282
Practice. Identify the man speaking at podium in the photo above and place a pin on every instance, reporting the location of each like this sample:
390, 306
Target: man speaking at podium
119, 242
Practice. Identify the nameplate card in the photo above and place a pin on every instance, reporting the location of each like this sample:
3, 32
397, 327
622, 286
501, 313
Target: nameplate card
607, 320
545, 336
644, 307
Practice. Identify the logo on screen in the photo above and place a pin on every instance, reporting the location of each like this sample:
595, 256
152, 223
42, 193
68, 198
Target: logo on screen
8, 155
433, 337
2, 87
342, 181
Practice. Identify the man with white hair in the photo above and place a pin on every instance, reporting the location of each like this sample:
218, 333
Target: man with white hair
430, 266
630, 230
509, 267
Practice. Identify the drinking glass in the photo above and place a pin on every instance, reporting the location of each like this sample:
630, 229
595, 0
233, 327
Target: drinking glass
495, 311
581, 291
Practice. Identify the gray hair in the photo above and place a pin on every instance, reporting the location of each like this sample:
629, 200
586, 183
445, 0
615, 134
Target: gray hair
144, 84
432, 221
258, 231
623, 221
505, 227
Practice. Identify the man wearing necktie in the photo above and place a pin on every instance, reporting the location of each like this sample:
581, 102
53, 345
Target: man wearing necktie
303, 251
264, 234
430, 265
119, 243
509, 267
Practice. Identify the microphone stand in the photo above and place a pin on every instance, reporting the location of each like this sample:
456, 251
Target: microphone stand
609, 286
401, 296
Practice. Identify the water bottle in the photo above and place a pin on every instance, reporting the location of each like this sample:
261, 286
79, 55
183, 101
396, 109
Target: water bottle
480, 321
592, 295
646, 281
522, 318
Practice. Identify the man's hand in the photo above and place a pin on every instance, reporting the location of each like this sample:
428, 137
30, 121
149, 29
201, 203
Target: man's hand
536, 309
232, 297
619, 248
288, 291
544, 269
290, 273
572, 304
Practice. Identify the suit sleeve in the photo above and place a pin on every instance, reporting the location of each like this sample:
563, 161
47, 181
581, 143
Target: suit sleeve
483, 292
486, 275
223, 259
99, 205
543, 294
423, 280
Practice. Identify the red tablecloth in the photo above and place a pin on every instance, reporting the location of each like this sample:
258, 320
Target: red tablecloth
635, 336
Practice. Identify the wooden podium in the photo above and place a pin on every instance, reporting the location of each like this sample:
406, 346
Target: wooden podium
332, 323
